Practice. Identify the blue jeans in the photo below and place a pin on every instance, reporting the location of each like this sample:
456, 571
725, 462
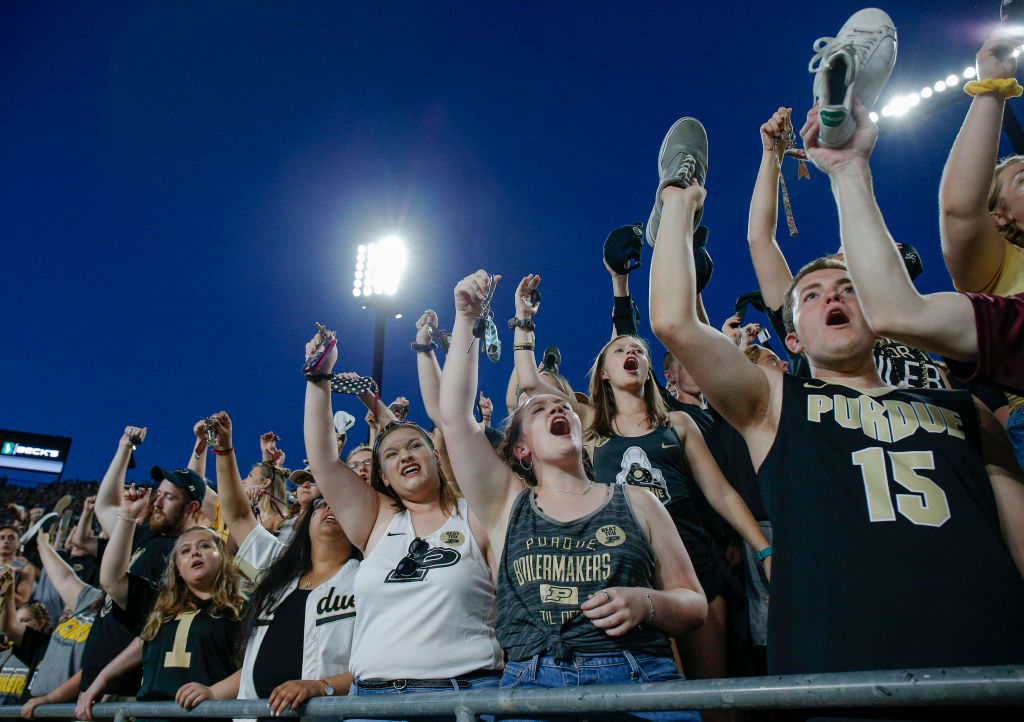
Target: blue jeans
1015, 429
479, 683
587, 669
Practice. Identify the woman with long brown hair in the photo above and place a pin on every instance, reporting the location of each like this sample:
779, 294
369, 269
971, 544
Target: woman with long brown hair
634, 439
592, 577
426, 603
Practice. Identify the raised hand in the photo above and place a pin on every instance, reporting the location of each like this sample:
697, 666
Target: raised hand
134, 502
133, 435
524, 291
486, 406
773, 132
471, 292
314, 344
858, 148
995, 58
268, 446
429, 318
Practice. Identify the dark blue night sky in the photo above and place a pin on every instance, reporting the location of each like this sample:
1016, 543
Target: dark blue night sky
183, 185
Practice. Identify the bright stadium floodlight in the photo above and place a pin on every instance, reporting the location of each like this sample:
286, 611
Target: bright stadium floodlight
969, 72
379, 269
874, 116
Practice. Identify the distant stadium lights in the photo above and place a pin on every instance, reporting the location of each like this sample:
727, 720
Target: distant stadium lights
899, 105
379, 267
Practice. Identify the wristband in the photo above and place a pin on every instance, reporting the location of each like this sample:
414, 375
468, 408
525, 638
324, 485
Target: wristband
223, 452
526, 324
315, 378
423, 347
650, 614
128, 519
764, 553
524, 347
1007, 87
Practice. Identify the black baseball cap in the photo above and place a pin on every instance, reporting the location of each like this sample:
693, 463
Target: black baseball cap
185, 479
623, 248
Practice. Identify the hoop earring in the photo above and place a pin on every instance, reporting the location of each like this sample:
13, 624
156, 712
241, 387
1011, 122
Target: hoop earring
522, 462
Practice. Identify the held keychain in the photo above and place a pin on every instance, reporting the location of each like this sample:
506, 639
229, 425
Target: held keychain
480, 324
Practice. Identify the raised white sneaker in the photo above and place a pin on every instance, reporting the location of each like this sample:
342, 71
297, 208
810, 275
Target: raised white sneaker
856, 64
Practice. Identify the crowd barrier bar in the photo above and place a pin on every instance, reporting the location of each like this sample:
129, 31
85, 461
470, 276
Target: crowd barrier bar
1003, 685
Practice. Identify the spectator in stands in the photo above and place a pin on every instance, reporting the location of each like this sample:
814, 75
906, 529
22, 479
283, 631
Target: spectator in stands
837, 493
16, 671
980, 201
58, 674
426, 598
187, 625
898, 364
607, 623
360, 459
173, 511
24, 574
299, 620
633, 439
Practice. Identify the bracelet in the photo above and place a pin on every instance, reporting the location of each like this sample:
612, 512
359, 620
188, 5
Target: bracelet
423, 347
223, 452
524, 347
526, 324
128, 519
764, 553
650, 614
1006, 87
316, 378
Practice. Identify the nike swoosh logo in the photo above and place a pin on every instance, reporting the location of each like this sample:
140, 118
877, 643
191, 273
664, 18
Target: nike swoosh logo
396, 533
667, 445
815, 386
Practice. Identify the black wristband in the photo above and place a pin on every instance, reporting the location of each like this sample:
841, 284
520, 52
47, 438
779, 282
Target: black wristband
319, 377
526, 324
423, 347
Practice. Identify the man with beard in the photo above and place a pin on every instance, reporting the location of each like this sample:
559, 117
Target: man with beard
178, 497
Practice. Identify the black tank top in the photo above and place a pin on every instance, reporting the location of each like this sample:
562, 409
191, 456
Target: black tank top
887, 545
549, 568
654, 461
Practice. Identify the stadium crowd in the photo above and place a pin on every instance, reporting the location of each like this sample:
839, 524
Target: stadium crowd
625, 534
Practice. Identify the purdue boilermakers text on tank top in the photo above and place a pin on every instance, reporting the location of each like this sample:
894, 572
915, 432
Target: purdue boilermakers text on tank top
550, 567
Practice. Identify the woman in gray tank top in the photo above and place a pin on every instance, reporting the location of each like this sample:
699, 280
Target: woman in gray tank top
633, 438
592, 579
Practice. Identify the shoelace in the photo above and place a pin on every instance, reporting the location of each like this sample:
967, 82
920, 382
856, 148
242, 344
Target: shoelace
687, 169
862, 40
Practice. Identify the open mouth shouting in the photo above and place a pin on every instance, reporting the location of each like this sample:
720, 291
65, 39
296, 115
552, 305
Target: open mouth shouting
560, 426
410, 470
631, 364
837, 317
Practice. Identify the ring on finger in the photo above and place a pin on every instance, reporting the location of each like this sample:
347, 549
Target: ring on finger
605, 592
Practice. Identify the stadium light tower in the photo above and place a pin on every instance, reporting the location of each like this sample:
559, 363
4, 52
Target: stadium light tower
379, 268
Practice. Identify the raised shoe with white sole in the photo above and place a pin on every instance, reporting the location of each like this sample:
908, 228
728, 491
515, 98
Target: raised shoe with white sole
854, 65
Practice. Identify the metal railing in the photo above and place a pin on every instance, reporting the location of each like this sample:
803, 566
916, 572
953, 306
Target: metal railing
891, 688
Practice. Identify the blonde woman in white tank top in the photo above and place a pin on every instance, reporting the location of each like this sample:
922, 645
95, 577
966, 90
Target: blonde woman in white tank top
426, 602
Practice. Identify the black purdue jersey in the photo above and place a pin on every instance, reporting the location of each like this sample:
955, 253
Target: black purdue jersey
887, 545
194, 647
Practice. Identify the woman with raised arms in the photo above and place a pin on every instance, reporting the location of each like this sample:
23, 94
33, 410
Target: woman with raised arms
592, 578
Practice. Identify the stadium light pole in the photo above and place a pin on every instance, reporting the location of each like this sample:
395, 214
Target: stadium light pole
379, 268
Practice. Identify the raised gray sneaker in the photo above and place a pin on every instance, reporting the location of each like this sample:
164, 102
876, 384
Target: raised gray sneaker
683, 157
855, 64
